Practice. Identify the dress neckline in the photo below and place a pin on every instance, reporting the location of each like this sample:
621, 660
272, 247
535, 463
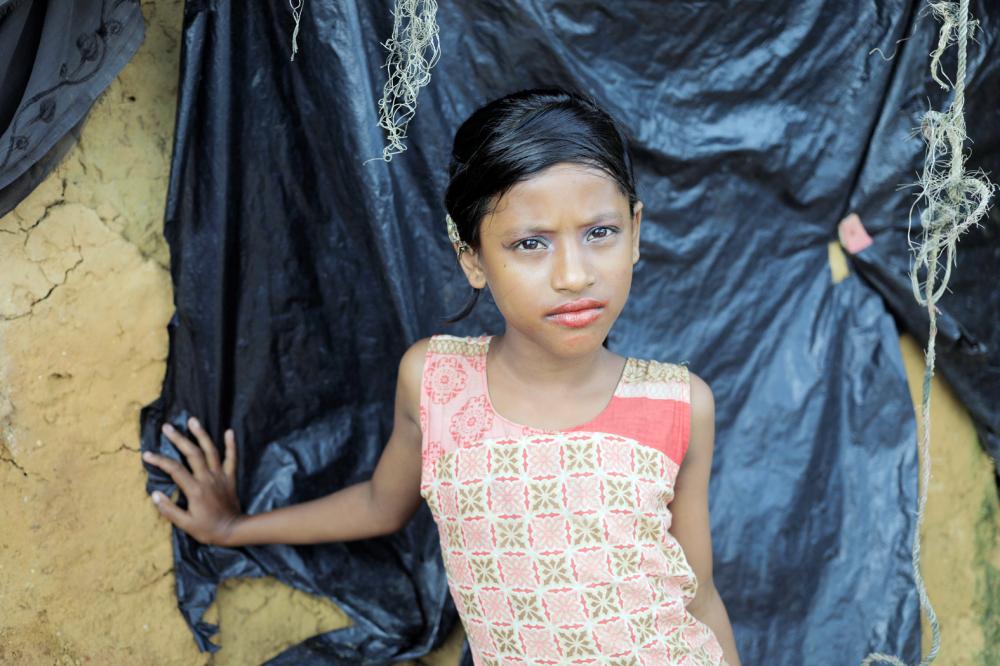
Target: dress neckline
489, 400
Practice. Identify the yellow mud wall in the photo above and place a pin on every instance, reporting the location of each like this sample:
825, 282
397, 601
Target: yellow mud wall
85, 296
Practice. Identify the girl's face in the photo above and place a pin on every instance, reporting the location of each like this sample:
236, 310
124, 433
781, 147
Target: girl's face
557, 254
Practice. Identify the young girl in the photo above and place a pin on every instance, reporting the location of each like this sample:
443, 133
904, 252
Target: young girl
569, 484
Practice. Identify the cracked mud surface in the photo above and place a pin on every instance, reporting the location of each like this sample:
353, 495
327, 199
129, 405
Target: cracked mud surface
85, 296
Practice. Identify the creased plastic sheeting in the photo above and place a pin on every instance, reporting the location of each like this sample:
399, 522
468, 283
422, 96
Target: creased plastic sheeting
301, 275
56, 58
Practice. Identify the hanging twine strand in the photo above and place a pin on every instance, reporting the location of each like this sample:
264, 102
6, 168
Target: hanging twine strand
414, 49
956, 200
296, 7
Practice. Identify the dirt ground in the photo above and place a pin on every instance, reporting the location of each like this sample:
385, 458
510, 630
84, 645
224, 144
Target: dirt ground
85, 296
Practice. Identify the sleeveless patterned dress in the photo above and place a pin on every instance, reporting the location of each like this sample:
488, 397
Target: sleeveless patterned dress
556, 543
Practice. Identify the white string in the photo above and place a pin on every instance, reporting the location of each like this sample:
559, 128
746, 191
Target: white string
296, 7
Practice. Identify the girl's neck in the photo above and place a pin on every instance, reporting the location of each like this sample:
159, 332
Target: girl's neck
518, 361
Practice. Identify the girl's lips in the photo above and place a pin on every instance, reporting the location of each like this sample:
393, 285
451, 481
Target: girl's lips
576, 318
577, 305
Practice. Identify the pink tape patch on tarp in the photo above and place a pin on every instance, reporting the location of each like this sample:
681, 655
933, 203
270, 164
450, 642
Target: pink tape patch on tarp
853, 236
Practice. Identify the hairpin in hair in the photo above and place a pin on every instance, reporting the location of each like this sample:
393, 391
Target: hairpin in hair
453, 235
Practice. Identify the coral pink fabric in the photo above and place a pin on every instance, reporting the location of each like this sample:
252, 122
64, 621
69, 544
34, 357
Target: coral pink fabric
557, 543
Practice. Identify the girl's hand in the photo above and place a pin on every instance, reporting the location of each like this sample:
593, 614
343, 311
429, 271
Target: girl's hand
213, 505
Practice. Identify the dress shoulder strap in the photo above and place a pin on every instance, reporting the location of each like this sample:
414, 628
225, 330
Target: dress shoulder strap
453, 404
647, 378
652, 406
471, 348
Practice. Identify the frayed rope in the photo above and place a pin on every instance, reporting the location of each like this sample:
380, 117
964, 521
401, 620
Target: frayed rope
956, 200
414, 49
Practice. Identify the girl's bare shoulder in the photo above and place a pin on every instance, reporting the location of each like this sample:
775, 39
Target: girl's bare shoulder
411, 370
702, 399
702, 437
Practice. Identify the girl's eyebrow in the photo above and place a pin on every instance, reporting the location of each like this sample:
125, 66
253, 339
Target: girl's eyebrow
606, 216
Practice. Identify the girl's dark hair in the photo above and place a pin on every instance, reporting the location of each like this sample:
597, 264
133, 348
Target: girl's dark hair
512, 138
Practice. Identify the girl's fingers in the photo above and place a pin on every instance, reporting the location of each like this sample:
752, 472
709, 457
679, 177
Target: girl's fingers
174, 469
207, 446
192, 453
229, 464
170, 511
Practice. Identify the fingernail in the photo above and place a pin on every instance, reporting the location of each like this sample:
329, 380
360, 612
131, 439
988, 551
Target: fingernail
157, 497
194, 422
147, 456
167, 427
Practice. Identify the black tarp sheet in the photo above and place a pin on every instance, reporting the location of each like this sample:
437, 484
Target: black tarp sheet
56, 58
301, 275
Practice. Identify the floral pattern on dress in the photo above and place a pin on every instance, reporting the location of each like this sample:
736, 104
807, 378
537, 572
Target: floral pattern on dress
446, 377
471, 422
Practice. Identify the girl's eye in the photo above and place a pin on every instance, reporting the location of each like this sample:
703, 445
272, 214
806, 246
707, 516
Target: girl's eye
598, 233
529, 244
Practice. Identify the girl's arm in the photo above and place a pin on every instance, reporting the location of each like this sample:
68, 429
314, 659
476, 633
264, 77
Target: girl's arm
690, 522
371, 508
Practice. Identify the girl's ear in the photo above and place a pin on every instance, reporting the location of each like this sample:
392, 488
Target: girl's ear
471, 265
636, 223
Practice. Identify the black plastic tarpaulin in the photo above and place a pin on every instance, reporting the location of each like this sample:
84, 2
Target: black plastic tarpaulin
301, 274
56, 58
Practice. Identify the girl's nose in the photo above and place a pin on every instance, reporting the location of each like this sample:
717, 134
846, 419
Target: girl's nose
571, 271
